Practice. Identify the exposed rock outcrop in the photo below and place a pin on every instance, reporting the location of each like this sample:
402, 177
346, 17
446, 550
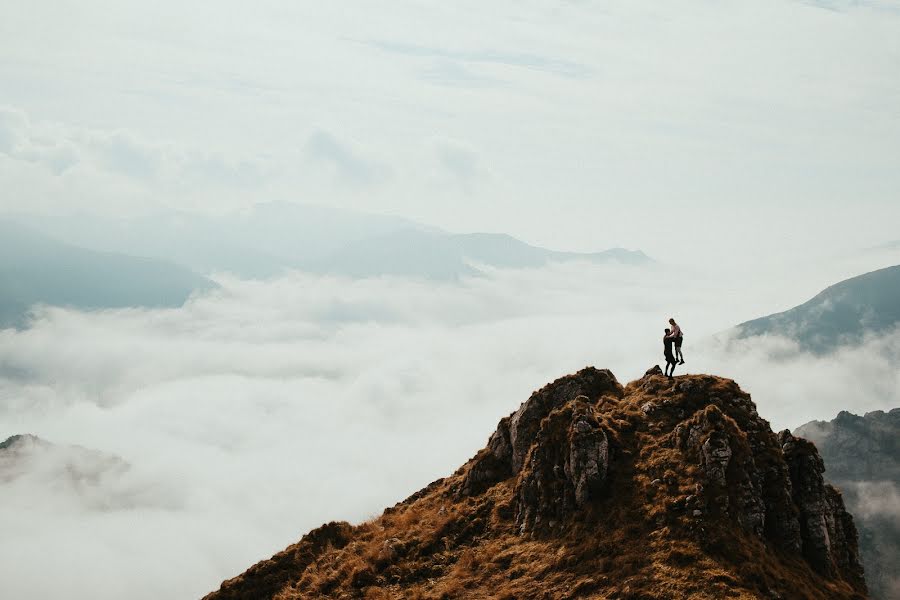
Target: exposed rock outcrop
565, 468
862, 458
508, 446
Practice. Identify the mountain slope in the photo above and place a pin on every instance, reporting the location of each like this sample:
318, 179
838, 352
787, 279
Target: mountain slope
862, 458
261, 242
841, 314
36, 269
661, 489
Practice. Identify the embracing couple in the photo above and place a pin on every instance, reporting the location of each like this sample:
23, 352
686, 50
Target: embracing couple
674, 337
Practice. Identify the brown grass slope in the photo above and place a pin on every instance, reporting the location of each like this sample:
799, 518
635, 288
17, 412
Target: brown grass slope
661, 489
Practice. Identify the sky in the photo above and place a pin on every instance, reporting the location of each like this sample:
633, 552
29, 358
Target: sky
751, 149
697, 131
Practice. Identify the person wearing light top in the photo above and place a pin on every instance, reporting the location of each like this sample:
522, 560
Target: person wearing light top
677, 337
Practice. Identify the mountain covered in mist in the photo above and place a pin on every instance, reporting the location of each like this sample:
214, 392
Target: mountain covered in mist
26, 455
61, 477
659, 489
273, 237
842, 314
862, 458
37, 269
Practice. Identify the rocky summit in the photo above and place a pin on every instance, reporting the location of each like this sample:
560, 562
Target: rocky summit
664, 488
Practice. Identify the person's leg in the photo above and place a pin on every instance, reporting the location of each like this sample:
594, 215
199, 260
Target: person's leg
679, 355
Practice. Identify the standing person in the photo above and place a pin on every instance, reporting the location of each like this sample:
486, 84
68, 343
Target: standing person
668, 340
678, 337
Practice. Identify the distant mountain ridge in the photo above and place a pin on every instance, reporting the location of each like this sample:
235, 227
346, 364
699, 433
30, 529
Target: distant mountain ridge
842, 314
273, 237
438, 255
862, 458
37, 269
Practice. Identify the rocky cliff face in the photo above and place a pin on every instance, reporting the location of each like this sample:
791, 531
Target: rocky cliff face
660, 489
862, 458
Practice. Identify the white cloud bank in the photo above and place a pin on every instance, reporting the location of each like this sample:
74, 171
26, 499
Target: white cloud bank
266, 408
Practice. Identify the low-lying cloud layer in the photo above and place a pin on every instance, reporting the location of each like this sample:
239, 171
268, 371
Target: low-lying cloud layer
265, 408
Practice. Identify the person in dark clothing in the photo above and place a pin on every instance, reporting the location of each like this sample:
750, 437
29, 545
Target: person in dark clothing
668, 340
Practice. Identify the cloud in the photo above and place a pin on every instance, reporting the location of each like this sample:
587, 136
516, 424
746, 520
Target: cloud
259, 411
348, 165
508, 58
56, 168
461, 162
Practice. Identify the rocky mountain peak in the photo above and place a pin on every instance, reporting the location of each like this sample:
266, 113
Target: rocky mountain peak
594, 489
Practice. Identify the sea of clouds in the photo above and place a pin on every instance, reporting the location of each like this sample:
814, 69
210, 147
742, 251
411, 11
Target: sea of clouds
265, 408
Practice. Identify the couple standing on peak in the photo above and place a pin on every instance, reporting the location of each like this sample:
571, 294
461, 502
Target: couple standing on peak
674, 336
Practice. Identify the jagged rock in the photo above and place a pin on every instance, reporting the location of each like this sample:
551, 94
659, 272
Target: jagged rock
490, 465
829, 538
565, 468
525, 422
648, 407
731, 481
862, 459
654, 370
508, 445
